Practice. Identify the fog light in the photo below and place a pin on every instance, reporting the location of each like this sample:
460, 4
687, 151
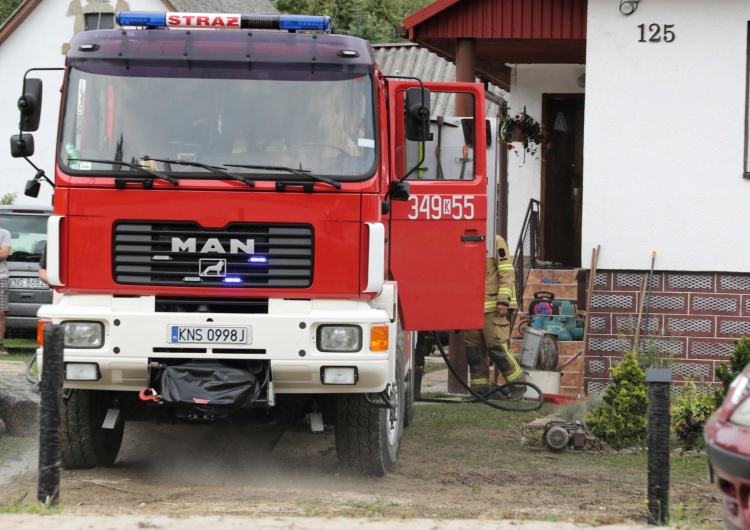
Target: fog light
81, 372
338, 375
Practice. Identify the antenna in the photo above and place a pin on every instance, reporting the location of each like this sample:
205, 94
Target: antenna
333, 19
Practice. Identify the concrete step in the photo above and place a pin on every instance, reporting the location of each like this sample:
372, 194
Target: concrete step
561, 283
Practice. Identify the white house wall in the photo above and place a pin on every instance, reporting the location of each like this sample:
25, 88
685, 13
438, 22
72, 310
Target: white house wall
528, 83
664, 137
37, 43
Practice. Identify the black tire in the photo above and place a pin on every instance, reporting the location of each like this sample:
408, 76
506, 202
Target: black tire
368, 437
410, 406
85, 444
549, 357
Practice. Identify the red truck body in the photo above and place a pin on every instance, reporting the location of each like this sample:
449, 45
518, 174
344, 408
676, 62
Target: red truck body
299, 262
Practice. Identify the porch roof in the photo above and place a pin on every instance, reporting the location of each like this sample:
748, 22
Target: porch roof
505, 32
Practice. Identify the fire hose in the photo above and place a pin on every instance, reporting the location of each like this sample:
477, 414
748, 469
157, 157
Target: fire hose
529, 406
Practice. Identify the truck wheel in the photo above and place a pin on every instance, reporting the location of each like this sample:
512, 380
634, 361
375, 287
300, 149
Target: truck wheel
368, 437
410, 407
85, 444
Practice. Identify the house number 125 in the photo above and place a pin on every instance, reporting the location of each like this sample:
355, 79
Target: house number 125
655, 31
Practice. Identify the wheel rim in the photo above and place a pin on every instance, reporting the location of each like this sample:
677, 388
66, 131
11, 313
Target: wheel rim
393, 416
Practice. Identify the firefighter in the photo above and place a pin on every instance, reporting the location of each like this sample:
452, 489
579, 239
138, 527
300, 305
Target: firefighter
492, 340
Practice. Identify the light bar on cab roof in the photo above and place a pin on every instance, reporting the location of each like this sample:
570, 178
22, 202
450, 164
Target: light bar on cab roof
223, 21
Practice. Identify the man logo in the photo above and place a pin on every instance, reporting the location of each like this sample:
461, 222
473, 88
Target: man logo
213, 245
212, 267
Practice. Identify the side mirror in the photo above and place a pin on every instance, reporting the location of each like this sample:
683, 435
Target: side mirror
398, 190
21, 145
30, 104
417, 114
32, 188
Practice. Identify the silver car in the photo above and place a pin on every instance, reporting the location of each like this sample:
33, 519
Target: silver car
28, 228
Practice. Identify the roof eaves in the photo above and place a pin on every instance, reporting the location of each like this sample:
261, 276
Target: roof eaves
16, 18
428, 11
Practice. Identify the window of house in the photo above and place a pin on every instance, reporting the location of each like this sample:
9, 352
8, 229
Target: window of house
99, 21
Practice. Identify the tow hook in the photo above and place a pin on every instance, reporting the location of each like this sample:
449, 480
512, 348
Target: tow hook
149, 394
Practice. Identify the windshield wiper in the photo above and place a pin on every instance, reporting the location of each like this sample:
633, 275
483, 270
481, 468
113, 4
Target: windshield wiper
214, 169
120, 182
302, 172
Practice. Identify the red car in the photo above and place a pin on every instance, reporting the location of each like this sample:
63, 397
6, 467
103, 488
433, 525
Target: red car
727, 434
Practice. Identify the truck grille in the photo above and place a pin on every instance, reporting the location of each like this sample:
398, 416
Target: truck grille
243, 255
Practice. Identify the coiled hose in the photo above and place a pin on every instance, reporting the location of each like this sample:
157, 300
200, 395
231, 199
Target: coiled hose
528, 406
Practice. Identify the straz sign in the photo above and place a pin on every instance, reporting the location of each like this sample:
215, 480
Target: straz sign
202, 20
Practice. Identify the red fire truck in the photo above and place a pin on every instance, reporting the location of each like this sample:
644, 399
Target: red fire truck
250, 221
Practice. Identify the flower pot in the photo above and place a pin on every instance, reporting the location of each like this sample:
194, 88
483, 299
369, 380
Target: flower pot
510, 134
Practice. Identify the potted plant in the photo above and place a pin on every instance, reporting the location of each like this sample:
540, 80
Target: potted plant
522, 128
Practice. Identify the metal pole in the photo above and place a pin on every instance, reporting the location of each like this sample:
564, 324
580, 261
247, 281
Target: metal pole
659, 380
648, 293
50, 389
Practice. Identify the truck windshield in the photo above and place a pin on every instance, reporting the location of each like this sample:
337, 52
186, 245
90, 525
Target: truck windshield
28, 236
323, 124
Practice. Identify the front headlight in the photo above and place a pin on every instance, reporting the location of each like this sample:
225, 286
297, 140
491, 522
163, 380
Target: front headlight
83, 334
344, 338
741, 415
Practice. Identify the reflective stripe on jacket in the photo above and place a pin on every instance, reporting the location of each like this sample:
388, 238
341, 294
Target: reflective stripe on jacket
500, 279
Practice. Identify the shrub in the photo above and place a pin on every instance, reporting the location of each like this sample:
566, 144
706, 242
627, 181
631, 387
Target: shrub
621, 420
573, 412
690, 410
738, 359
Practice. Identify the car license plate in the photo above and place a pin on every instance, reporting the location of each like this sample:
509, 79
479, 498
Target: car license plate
209, 334
27, 283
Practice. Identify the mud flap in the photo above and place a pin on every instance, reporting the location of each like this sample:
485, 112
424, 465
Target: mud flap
208, 388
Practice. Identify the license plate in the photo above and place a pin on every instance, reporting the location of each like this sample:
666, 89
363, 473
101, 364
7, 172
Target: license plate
27, 283
209, 334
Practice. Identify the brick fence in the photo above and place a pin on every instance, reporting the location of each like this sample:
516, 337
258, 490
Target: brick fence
693, 317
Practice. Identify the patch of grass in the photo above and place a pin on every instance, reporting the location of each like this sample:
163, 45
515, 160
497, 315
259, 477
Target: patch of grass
41, 508
372, 509
433, 367
499, 456
535, 438
20, 349
684, 516
20, 343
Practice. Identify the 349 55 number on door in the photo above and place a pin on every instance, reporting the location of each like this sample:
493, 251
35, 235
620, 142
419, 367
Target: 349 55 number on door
441, 207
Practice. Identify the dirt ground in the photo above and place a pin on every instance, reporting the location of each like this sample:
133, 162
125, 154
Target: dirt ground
445, 470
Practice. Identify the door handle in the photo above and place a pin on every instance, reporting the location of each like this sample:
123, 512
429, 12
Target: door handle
472, 238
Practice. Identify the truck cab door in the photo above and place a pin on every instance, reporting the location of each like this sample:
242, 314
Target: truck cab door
438, 236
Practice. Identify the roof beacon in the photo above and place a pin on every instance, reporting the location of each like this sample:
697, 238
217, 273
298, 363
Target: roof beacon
290, 23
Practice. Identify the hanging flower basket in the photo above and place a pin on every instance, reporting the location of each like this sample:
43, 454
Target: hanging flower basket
522, 128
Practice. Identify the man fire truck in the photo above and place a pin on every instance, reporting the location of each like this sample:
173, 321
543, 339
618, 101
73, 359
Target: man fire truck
243, 209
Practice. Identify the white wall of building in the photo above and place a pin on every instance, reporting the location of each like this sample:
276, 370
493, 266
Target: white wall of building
528, 83
37, 43
664, 137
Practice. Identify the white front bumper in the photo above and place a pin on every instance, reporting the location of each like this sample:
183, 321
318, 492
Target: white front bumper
134, 335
